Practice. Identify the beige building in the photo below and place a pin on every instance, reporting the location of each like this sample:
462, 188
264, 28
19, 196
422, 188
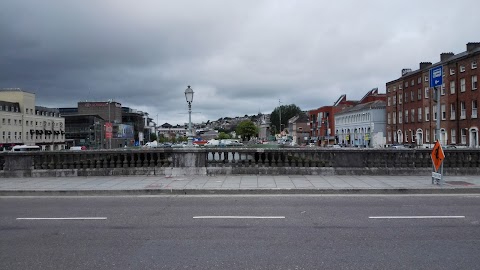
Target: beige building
21, 122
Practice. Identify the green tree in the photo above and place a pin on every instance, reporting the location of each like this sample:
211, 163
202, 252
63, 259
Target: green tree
223, 136
247, 129
153, 137
286, 112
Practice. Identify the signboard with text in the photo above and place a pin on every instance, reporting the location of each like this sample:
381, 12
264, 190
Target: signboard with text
108, 130
436, 76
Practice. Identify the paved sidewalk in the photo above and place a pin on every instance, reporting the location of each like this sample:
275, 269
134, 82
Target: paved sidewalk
236, 184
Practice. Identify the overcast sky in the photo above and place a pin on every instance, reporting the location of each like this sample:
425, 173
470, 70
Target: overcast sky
240, 57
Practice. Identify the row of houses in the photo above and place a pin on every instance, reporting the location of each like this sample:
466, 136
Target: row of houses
407, 112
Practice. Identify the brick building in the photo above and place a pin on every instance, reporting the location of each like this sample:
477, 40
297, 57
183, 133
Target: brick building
411, 108
322, 123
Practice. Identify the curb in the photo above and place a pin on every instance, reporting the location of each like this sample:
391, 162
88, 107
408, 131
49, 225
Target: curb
137, 192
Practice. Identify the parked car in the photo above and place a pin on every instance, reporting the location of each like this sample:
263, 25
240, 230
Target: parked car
397, 146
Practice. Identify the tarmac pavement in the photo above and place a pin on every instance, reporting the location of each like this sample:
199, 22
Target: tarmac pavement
237, 184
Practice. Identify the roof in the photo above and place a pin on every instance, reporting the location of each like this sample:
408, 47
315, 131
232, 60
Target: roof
377, 104
455, 57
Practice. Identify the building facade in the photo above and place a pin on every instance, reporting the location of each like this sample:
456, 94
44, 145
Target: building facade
364, 124
299, 128
24, 123
322, 124
412, 106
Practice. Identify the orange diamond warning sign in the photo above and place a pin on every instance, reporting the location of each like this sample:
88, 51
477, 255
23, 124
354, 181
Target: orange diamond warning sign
437, 155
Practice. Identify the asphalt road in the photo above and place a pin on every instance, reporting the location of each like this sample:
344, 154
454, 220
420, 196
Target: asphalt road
241, 232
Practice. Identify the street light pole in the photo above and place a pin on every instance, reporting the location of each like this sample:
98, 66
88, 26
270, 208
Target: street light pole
110, 122
189, 98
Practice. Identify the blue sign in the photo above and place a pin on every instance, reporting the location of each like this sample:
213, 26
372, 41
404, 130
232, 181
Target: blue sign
436, 76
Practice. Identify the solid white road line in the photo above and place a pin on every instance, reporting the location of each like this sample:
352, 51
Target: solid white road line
69, 218
413, 217
240, 217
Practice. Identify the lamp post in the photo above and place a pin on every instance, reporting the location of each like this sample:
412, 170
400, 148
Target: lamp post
110, 124
189, 98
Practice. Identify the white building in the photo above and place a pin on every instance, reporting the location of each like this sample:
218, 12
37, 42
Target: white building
21, 122
362, 125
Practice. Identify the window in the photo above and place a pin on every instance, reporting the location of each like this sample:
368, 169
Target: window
419, 95
400, 87
394, 88
388, 89
394, 118
474, 82
19, 122
452, 87
434, 112
400, 117
412, 117
388, 101
427, 135
406, 84
9, 122
399, 98
427, 93
444, 112
427, 114
406, 98
464, 136
425, 78
453, 137
462, 85
474, 109
419, 114
412, 83
452, 71
406, 136
15, 122
412, 95
462, 68
442, 89
388, 118
406, 116
462, 110
474, 64
395, 100
419, 81
452, 111
389, 135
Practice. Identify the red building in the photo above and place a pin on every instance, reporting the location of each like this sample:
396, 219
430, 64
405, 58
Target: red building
322, 124
412, 109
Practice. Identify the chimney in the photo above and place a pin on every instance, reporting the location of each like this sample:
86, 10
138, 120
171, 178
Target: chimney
472, 46
405, 71
445, 56
425, 64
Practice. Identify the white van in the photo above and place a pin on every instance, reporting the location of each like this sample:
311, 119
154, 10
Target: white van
25, 148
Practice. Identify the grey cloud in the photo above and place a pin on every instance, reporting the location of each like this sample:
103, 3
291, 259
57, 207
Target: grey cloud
240, 57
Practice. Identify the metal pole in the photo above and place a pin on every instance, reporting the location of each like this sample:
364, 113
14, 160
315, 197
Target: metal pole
190, 139
437, 128
110, 122
280, 114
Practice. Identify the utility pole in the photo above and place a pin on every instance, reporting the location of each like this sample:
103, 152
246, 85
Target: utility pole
280, 114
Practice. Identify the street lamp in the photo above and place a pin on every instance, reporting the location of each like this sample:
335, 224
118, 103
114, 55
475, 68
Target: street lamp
189, 98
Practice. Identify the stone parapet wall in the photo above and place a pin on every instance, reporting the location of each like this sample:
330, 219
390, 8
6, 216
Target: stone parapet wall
222, 161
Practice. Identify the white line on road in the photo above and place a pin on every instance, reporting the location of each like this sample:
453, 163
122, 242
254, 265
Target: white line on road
258, 217
69, 218
412, 217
